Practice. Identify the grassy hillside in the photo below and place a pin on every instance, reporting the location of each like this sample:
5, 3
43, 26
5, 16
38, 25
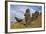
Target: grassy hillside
34, 24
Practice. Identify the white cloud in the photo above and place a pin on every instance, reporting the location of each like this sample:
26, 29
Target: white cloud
20, 12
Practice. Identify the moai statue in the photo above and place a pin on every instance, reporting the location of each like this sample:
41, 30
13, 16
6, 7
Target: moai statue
35, 15
27, 16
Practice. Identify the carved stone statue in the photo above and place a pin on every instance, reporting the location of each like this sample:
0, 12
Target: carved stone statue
27, 16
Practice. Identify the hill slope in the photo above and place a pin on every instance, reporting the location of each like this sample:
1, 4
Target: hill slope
34, 24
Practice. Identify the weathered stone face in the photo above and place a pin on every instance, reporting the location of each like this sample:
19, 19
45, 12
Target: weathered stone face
27, 14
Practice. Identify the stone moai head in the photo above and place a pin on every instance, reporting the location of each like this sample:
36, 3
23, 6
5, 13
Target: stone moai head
27, 10
27, 13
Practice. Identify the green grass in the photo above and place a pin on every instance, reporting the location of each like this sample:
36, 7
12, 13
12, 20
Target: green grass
34, 24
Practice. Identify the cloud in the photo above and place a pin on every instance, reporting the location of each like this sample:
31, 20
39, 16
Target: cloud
19, 11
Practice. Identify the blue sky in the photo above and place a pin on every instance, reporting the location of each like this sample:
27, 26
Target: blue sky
18, 10
13, 7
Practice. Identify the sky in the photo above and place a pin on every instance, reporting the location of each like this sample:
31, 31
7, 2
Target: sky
19, 10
